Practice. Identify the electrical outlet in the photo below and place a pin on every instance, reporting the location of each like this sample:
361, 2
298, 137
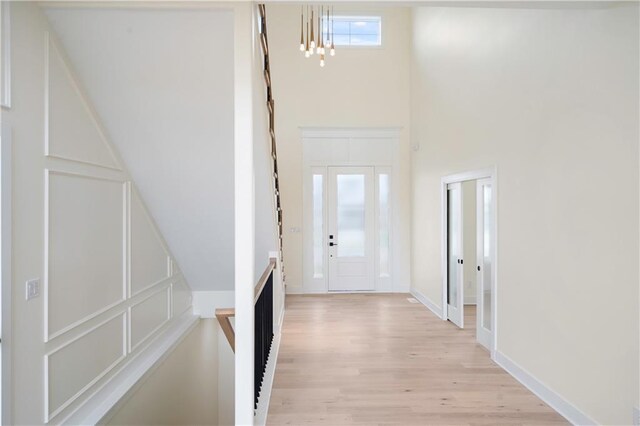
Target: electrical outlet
32, 289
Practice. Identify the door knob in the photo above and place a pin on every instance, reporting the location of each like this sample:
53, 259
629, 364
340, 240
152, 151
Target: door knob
332, 244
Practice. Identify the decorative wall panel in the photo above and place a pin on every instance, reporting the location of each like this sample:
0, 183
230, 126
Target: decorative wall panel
73, 132
69, 369
149, 259
85, 242
149, 315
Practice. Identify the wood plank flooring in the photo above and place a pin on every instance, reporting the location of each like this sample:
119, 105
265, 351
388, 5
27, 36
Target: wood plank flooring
376, 359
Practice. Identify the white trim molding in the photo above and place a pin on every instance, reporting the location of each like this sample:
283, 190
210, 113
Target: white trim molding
350, 132
542, 391
205, 303
427, 302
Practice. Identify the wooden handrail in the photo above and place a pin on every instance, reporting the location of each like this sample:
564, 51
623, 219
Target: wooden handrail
264, 277
224, 314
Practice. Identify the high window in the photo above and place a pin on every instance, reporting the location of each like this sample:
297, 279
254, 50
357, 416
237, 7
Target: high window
354, 30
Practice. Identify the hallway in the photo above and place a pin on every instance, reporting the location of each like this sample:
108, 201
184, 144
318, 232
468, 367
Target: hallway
379, 359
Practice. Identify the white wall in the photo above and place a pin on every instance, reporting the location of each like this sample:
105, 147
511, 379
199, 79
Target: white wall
469, 240
550, 97
183, 389
244, 200
109, 285
226, 381
161, 79
366, 87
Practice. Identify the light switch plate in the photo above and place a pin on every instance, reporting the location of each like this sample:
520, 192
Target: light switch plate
32, 289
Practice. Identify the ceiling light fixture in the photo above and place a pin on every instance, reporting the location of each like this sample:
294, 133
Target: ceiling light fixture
317, 38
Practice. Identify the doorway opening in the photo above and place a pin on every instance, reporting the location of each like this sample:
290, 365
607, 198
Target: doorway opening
469, 253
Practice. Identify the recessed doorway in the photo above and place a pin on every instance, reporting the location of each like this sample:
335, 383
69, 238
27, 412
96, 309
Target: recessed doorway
469, 253
350, 211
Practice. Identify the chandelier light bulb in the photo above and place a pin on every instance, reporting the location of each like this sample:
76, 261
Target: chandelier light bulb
316, 31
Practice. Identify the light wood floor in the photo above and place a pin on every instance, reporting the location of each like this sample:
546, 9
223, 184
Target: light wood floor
380, 360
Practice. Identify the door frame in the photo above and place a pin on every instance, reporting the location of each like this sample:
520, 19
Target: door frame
487, 173
325, 147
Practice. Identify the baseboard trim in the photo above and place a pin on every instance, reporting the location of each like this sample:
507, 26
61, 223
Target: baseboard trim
262, 411
542, 391
426, 302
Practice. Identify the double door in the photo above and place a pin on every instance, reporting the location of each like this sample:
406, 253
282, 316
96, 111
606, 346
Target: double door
483, 261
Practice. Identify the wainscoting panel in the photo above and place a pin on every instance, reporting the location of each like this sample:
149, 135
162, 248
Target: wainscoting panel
149, 315
108, 277
84, 249
73, 132
69, 371
181, 297
150, 261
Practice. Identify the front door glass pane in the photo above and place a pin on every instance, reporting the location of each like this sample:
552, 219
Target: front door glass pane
453, 224
351, 215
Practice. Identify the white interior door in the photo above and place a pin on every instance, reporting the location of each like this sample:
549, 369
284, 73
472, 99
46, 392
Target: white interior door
351, 228
484, 261
455, 279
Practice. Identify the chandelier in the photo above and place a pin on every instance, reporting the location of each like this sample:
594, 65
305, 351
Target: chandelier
314, 41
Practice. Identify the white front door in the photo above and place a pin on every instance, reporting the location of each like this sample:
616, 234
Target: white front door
484, 265
455, 297
351, 228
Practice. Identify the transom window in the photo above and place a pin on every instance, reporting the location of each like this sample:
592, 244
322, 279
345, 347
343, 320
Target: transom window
354, 30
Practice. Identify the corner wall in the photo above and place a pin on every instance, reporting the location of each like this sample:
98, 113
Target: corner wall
550, 97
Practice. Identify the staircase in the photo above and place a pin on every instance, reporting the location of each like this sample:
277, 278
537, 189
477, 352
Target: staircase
274, 156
